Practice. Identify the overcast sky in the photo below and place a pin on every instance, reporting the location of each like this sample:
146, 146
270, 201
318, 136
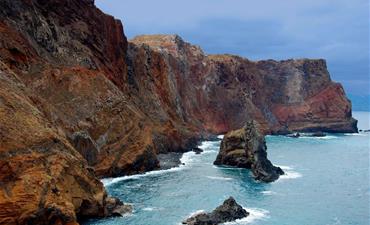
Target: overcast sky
337, 30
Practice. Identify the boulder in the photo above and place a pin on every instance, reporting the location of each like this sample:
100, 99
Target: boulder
197, 150
227, 212
246, 148
115, 207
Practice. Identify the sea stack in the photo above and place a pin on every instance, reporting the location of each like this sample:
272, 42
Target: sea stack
246, 148
227, 212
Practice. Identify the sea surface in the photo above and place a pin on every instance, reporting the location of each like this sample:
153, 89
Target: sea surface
326, 183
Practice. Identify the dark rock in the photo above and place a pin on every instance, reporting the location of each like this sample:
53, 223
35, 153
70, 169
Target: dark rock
197, 150
115, 207
228, 211
169, 160
246, 148
318, 134
86, 146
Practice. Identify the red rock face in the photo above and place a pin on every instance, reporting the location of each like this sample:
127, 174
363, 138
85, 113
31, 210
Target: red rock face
67, 68
218, 93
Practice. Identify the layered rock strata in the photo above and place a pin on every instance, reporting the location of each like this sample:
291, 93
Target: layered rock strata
246, 148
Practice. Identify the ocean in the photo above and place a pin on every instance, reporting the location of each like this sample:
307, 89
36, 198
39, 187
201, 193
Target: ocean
326, 183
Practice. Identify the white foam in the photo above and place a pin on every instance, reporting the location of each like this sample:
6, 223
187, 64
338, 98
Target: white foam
227, 168
220, 136
285, 167
209, 152
325, 137
254, 214
355, 134
206, 145
289, 173
152, 209
219, 178
196, 213
268, 193
187, 159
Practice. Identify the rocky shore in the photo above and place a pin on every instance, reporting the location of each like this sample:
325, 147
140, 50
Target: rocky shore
78, 102
246, 148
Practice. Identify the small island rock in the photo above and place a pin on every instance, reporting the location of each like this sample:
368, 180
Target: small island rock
228, 211
246, 148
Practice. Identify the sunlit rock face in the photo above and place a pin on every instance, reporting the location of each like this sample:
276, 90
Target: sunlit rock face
66, 67
221, 92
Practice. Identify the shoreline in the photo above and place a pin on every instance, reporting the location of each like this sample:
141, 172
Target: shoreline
172, 160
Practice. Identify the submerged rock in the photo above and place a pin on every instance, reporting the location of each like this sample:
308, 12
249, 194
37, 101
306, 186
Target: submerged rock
228, 211
246, 148
197, 150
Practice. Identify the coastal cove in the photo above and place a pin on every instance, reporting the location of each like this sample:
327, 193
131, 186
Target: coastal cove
326, 182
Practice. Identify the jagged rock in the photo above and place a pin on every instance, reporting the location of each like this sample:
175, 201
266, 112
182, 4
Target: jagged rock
246, 148
197, 150
228, 211
115, 207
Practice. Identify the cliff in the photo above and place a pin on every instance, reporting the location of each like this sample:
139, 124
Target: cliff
224, 91
77, 101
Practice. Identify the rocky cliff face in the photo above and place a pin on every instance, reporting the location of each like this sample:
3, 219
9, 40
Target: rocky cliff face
78, 100
221, 92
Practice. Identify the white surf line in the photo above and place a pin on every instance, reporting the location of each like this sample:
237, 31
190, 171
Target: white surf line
186, 160
356, 134
268, 193
289, 173
219, 178
152, 208
206, 145
254, 214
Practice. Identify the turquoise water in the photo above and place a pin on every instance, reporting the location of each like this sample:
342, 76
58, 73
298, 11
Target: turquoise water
327, 183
